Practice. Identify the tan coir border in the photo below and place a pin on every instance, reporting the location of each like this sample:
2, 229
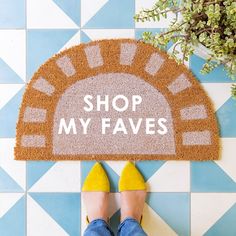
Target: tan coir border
110, 51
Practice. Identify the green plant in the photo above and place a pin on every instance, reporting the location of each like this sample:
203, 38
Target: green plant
209, 22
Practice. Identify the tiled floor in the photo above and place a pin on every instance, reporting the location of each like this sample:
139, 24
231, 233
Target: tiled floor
43, 198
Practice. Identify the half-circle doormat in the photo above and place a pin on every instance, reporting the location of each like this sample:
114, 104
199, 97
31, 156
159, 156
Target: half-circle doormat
117, 100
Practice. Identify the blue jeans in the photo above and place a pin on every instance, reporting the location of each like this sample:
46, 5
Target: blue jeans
129, 227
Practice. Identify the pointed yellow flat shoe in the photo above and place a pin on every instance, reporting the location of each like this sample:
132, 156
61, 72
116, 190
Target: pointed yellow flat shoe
131, 179
97, 180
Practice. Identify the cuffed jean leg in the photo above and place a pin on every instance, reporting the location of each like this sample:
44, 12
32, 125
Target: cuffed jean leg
98, 227
130, 227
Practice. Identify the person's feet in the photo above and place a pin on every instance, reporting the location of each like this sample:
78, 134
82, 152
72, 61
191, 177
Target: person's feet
132, 203
96, 205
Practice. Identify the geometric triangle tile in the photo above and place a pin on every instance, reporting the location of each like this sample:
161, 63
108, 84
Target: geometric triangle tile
13, 222
154, 225
64, 208
218, 75
46, 14
112, 175
12, 14
116, 166
35, 170
218, 92
42, 44
226, 115
173, 208
9, 115
39, 222
89, 9
108, 16
172, 176
61, 177
209, 177
13, 51
228, 160
96, 34
74, 41
206, 211
84, 37
148, 168
7, 75
7, 201
225, 225
15, 169
71, 8
7, 184
8, 91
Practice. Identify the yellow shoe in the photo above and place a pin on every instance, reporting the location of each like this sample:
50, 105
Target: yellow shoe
131, 179
97, 180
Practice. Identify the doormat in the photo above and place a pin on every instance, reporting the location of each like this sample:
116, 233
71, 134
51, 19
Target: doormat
115, 100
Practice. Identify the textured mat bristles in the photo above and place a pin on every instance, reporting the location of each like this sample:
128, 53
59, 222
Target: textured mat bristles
116, 67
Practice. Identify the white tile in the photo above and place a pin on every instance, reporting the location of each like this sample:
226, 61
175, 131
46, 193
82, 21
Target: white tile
61, 177
13, 51
228, 160
173, 176
39, 222
207, 208
7, 201
16, 169
47, 15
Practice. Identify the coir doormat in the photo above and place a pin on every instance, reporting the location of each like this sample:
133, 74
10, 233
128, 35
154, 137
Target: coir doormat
117, 100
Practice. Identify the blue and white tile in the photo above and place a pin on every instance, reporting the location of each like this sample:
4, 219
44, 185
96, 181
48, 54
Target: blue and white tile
49, 42
172, 176
174, 209
216, 176
153, 224
8, 75
89, 8
16, 170
61, 177
48, 14
9, 116
12, 14
107, 14
53, 214
12, 214
7, 92
207, 209
226, 115
12, 50
214, 89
